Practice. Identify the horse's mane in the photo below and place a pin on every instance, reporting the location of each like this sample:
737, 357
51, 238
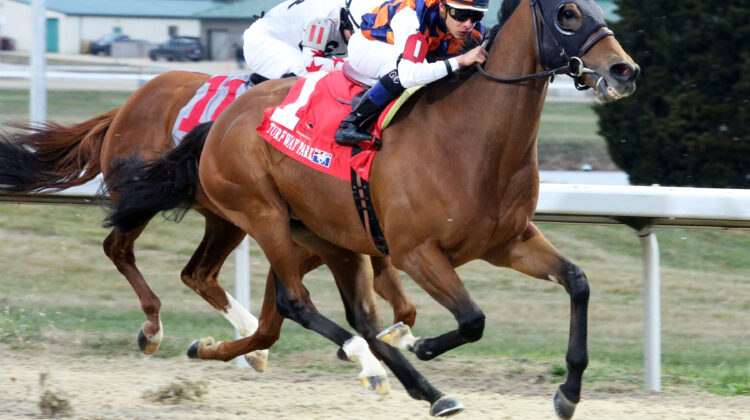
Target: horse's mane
506, 9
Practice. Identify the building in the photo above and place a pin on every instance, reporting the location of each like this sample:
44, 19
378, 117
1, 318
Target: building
222, 26
72, 22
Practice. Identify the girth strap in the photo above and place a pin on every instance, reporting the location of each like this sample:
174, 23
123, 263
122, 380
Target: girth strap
363, 203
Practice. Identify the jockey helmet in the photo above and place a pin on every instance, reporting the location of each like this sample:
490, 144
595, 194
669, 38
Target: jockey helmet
478, 5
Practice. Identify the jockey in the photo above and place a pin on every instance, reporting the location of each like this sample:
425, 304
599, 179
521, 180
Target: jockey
406, 43
299, 36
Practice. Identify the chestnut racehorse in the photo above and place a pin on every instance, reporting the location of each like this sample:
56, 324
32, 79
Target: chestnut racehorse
58, 157
471, 196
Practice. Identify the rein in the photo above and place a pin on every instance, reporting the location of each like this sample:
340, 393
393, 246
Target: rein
574, 66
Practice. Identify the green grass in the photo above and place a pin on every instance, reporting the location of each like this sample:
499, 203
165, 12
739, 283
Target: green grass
568, 138
64, 107
23, 59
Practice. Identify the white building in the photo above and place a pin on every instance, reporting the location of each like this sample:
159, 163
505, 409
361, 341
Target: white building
71, 22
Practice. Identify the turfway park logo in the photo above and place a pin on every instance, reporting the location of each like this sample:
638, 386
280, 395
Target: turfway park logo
299, 147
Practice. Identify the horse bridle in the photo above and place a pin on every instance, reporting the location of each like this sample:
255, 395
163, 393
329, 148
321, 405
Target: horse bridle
557, 59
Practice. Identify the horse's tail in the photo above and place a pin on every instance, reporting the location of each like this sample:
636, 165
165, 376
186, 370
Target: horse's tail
50, 155
144, 188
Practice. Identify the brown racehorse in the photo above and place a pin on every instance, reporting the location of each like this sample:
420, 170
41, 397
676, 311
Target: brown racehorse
53, 156
472, 195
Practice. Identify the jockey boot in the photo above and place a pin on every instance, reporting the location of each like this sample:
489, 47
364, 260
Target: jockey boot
356, 126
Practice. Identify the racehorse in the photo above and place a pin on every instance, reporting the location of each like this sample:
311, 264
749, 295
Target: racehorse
471, 196
57, 157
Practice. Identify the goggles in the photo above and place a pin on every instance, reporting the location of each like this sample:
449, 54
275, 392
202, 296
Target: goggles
462, 15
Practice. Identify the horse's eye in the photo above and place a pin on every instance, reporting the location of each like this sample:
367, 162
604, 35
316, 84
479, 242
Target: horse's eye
568, 18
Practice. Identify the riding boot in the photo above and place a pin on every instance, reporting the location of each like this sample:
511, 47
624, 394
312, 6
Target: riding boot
356, 126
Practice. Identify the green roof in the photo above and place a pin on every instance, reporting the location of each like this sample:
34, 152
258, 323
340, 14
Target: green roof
130, 8
242, 9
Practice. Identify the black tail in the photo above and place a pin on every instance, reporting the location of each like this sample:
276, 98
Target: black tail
170, 182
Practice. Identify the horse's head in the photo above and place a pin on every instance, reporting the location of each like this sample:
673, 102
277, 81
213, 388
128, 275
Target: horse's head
573, 32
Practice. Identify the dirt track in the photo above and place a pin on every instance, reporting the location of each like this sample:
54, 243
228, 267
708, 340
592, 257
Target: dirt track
142, 387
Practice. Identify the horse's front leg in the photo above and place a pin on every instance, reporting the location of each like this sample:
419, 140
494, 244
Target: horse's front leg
201, 274
388, 285
532, 254
430, 267
256, 342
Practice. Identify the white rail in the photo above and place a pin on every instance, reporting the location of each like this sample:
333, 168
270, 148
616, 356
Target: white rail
638, 207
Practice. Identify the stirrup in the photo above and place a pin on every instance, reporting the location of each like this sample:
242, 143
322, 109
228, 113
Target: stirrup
348, 142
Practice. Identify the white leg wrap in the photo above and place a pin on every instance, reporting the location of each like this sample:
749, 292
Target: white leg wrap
238, 316
357, 350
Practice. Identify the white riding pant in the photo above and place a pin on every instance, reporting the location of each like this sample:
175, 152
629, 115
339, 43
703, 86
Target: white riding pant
270, 57
372, 58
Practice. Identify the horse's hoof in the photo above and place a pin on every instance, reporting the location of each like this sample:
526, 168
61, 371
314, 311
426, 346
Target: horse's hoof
563, 406
376, 384
258, 360
196, 346
398, 335
445, 407
422, 351
149, 346
192, 351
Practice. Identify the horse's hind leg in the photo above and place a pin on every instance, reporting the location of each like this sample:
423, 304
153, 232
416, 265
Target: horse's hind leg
270, 228
119, 248
532, 254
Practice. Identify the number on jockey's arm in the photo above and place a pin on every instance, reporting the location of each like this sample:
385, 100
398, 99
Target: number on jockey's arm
317, 33
415, 49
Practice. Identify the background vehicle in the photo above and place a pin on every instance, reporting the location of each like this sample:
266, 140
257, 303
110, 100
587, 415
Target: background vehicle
179, 48
103, 45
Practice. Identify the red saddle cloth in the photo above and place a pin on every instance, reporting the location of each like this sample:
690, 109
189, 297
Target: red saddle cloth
303, 126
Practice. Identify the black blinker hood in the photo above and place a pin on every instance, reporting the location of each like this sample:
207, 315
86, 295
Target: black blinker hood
556, 45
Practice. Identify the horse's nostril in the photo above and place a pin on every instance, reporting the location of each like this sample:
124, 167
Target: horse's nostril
624, 71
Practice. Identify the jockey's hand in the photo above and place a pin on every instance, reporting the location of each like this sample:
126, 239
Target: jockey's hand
475, 55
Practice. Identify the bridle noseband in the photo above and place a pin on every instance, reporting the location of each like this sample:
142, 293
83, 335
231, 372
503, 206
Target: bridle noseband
554, 56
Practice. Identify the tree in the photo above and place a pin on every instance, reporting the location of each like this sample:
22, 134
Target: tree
688, 122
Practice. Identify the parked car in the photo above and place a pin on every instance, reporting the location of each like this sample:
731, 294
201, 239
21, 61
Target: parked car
179, 48
103, 45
